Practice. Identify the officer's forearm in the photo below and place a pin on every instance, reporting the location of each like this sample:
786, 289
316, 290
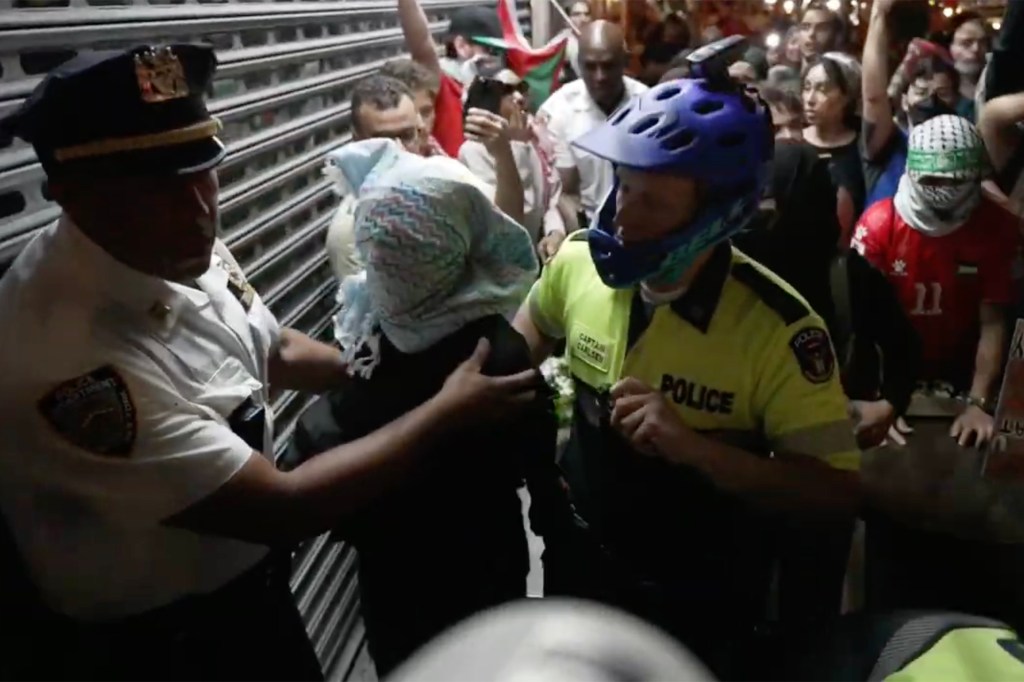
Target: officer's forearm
790, 483
300, 363
263, 505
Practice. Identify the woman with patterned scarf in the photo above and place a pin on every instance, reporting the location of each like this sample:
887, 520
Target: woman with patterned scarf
443, 269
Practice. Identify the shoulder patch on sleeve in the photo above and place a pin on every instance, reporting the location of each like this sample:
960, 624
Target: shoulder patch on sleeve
813, 351
94, 412
790, 308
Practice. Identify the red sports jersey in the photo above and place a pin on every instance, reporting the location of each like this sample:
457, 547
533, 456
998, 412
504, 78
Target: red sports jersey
942, 281
448, 124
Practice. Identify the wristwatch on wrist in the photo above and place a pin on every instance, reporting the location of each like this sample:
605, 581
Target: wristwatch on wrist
983, 404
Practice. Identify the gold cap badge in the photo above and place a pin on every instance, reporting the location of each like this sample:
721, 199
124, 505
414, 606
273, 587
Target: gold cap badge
160, 75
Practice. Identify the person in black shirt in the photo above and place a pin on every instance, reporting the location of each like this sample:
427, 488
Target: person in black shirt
831, 90
872, 335
875, 344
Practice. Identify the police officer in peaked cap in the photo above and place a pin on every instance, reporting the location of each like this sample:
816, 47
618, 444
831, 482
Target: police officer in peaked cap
144, 516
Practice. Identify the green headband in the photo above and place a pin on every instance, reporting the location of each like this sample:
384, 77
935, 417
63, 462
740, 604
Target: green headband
953, 161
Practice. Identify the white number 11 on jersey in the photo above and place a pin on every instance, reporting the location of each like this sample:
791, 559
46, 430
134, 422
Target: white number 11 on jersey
923, 307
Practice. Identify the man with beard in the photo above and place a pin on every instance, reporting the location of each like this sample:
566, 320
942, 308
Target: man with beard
821, 31
456, 69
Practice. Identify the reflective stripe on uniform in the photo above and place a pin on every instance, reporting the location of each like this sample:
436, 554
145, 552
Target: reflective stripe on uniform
823, 441
977, 653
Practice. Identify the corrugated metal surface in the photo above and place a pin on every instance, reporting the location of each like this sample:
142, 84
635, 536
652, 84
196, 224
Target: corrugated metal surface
287, 69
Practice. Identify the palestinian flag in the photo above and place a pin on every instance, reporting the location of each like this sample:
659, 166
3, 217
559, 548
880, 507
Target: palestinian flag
539, 67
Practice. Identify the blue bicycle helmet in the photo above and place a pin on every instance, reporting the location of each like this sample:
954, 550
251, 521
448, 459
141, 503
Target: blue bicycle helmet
714, 132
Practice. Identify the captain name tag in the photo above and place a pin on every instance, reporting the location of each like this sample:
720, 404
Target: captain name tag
591, 350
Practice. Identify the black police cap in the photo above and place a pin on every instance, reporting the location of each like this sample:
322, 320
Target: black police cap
124, 111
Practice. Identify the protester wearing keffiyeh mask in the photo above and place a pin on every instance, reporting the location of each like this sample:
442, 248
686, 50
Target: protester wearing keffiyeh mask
444, 269
438, 253
941, 187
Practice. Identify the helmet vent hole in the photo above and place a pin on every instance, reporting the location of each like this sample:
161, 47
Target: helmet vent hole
731, 139
679, 140
644, 124
707, 106
668, 93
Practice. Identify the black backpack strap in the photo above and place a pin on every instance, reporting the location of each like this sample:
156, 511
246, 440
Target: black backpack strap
918, 635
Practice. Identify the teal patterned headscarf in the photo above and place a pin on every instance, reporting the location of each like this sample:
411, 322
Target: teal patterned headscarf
438, 253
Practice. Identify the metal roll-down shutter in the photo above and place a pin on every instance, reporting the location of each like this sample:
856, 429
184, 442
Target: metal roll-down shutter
282, 91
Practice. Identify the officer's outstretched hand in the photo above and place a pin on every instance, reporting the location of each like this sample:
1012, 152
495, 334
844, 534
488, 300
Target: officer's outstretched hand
467, 392
644, 417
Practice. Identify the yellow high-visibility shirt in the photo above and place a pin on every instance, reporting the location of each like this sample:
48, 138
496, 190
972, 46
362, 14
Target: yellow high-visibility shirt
739, 351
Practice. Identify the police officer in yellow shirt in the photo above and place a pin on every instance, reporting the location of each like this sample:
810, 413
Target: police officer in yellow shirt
709, 412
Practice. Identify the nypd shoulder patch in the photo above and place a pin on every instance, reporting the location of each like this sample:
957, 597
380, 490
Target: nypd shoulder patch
813, 351
94, 412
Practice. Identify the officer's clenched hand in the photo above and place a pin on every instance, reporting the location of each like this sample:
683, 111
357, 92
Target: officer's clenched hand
467, 392
643, 416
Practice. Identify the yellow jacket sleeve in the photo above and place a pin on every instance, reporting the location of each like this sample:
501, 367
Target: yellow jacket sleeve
550, 293
801, 398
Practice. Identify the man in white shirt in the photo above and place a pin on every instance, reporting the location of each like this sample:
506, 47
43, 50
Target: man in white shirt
581, 105
140, 502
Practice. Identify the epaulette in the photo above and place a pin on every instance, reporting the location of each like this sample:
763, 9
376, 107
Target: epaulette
789, 307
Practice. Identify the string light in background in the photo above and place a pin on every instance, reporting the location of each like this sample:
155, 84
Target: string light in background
788, 6
948, 12
772, 41
834, 5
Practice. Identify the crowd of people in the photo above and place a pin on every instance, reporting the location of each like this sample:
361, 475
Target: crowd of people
781, 271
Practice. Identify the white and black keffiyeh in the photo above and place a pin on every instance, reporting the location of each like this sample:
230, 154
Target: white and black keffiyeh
948, 148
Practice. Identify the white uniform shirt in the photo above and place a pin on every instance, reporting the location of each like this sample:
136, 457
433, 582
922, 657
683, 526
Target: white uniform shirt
115, 393
569, 113
536, 203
